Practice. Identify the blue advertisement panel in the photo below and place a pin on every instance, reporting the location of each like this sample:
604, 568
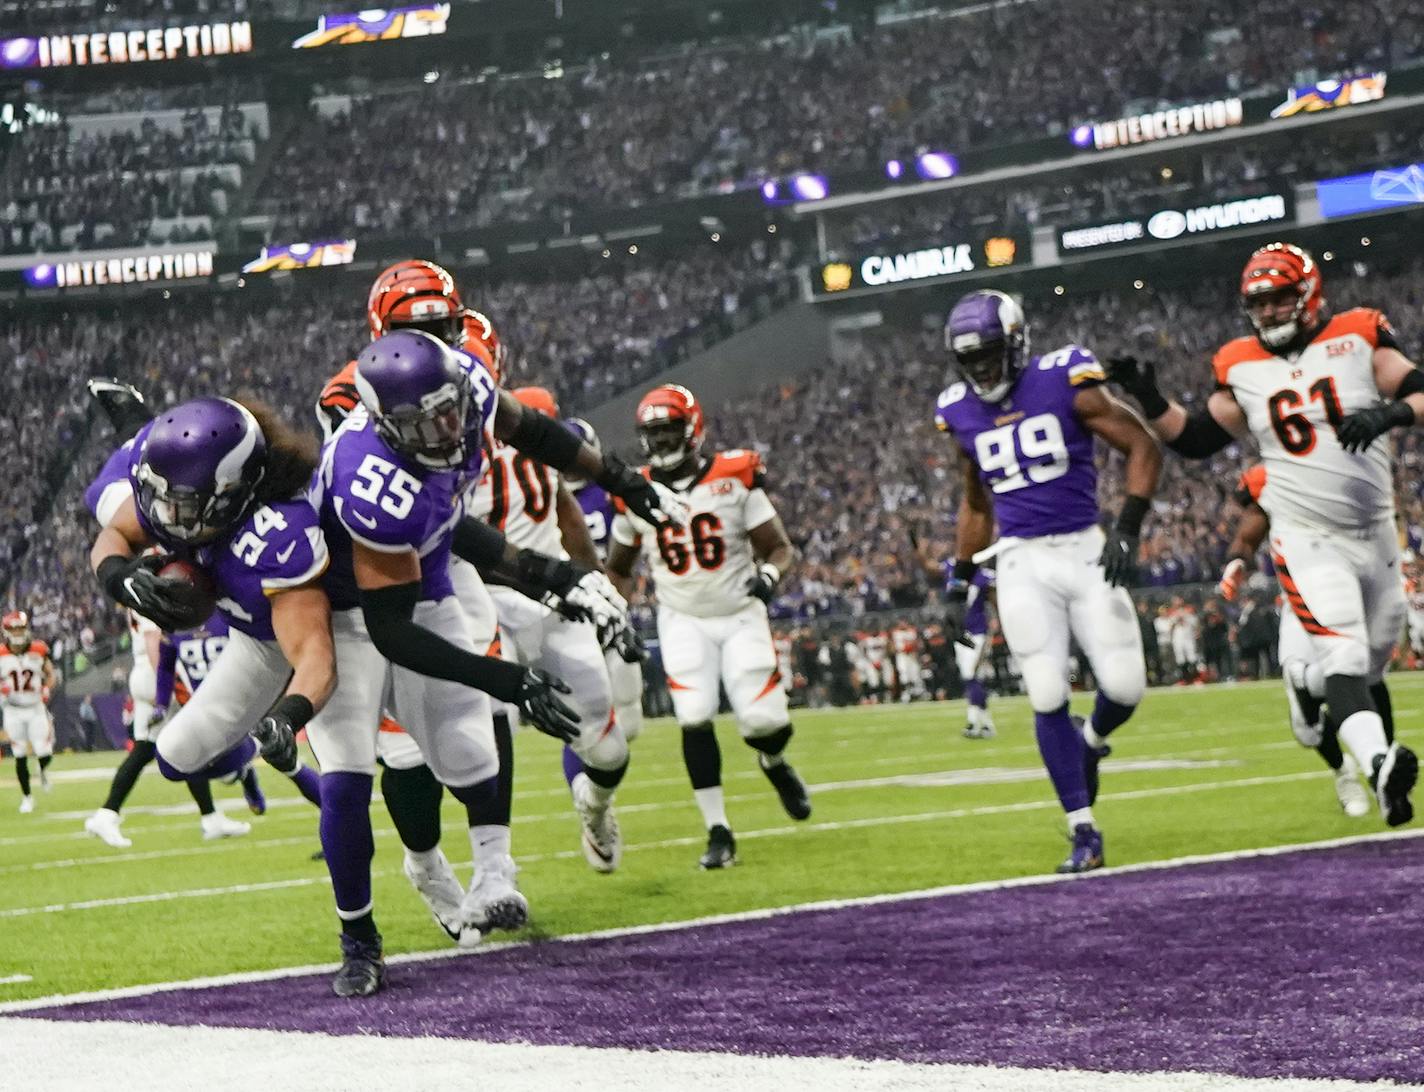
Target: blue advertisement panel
1373, 191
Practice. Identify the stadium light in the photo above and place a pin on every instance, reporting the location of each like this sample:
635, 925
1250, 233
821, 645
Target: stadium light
810, 187
771, 229
769, 190
632, 248
1328, 256
1364, 240
1058, 290
894, 169
1137, 285
932, 165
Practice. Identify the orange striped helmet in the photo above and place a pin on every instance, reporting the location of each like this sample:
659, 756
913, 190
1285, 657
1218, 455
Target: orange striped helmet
1281, 294
416, 295
670, 425
16, 625
479, 330
538, 398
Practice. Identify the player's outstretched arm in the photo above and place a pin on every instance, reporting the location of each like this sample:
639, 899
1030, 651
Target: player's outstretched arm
619, 566
548, 441
1250, 533
1104, 416
301, 622
1193, 435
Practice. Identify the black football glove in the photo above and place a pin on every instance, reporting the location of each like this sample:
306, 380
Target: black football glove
1119, 558
538, 699
277, 742
1139, 379
1360, 429
763, 585
649, 501
629, 646
956, 605
171, 604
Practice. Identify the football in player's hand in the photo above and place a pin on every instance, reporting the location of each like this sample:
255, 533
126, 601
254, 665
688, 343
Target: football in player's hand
199, 597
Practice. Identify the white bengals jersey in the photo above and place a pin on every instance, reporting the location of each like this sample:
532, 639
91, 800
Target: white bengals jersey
1292, 405
874, 645
906, 640
22, 673
519, 496
704, 568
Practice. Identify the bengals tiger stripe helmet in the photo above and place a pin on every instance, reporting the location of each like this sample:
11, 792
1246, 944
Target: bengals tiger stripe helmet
416, 295
540, 399
1281, 294
670, 426
479, 330
16, 625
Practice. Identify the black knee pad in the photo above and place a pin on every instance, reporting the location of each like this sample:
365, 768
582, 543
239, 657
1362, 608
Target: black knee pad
774, 743
606, 779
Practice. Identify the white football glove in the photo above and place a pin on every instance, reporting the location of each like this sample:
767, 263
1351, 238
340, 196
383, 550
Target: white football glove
673, 506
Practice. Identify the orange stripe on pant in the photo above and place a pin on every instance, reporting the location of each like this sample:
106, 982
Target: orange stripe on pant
1297, 602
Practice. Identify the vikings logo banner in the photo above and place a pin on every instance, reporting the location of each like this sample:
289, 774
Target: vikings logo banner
1331, 95
377, 25
302, 256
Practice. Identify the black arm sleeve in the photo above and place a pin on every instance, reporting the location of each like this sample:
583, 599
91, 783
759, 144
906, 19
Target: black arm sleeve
1412, 383
1201, 437
546, 440
478, 543
389, 620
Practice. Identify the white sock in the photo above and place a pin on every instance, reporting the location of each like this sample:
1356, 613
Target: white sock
489, 844
1079, 817
985, 720
1363, 734
1091, 737
976, 716
1314, 680
769, 761
712, 807
426, 858
597, 793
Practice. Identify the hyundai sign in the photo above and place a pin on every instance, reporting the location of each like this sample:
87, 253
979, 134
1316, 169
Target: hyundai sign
888, 270
1169, 224
1373, 191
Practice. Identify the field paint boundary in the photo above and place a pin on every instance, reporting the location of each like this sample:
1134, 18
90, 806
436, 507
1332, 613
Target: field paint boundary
760, 914
788, 829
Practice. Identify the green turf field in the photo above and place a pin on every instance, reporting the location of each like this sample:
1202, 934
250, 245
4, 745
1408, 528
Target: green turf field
901, 802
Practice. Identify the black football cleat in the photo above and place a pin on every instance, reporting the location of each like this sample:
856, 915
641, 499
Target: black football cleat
122, 404
1393, 779
789, 786
1087, 853
363, 970
1091, 757
721, 849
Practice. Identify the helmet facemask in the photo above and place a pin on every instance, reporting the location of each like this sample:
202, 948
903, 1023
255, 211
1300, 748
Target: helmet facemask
990, 367
1276, 313
190, 515
436, 434
667, 443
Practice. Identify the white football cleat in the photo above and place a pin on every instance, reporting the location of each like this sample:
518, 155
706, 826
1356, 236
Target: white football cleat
601, 840
437, 886
1305, 720
217, 825
1350, 791
493, 901
104, 825
27, 805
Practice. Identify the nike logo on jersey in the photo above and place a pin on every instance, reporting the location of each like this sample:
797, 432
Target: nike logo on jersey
370, 523
282, 557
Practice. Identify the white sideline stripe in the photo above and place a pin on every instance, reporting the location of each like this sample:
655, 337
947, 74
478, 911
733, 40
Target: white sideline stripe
77, 1056
760, 914
665, 843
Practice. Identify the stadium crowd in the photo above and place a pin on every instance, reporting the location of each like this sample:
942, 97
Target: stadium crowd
464, 151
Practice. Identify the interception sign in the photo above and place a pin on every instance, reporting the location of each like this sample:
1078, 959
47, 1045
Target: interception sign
888, 270
130, 269
1169, 224
127, 46
1200, 117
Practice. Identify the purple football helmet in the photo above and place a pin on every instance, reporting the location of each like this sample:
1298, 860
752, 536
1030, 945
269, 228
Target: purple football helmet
988, 336
584, 431
199, 469
420, 398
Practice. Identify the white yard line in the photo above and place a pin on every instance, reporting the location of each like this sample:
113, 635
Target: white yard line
78, 1056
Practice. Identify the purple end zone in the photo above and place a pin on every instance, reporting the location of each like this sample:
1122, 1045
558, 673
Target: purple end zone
1303, 965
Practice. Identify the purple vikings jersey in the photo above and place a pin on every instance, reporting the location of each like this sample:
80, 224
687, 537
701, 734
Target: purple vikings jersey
597, 508
1033, 454
113, 474
277, 546
193, 654
368, 493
